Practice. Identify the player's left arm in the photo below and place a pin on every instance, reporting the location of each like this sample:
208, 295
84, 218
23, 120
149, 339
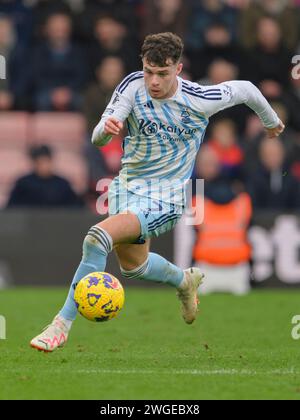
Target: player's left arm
244, 92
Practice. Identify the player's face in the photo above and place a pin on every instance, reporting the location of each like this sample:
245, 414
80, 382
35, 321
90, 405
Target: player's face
161, 82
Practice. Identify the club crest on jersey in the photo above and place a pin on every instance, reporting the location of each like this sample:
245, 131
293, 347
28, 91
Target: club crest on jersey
185, 117
227, 90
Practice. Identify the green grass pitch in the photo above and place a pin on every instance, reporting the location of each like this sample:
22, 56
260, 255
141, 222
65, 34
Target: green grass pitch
239, 348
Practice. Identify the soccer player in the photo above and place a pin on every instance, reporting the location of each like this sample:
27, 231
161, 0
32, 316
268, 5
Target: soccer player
166, 118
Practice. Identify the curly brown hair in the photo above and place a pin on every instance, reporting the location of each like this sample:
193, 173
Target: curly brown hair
159, 48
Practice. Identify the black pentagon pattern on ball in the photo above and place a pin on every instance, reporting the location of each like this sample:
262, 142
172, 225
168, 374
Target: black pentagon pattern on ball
102, 319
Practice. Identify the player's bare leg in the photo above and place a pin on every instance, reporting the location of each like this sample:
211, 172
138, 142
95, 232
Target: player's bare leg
131, 256
123, 227
134, 263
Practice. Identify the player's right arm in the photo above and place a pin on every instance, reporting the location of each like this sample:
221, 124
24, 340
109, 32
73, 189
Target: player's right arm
115, 114
112, 126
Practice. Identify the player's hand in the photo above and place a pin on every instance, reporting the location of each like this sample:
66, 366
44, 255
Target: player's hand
276, 131
113, 126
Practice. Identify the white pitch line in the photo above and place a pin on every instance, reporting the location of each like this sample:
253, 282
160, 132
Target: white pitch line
193, 372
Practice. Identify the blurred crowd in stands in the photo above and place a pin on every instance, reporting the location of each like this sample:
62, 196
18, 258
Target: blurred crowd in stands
64, 59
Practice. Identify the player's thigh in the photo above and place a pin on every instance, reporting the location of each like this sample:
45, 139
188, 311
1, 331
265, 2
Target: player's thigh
131, 256
123, 227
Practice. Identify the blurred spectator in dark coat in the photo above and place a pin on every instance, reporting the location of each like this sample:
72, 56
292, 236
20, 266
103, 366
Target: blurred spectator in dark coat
295, 164
283, 11
123, 11
42, 188
291, 99
164, 16
104, 161
271, 185
42, 10
111, 37
203, 14
109, 73
13, 87
20, 13
238, 4
224, 143
270, 62
59, 68
208, 167
220, 71
218, 44
255, 134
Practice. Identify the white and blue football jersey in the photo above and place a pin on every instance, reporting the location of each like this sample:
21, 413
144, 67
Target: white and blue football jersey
164, 135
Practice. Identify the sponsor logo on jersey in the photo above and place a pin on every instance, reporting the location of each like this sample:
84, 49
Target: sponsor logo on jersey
150, 128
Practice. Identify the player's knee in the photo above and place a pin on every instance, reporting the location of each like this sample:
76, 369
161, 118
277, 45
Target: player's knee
131, 271
97, 239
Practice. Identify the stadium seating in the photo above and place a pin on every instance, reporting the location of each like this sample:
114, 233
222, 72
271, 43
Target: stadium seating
72, 166
14, 130
64, 130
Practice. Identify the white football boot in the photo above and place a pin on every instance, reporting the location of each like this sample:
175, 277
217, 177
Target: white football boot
53, 336
188, 293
